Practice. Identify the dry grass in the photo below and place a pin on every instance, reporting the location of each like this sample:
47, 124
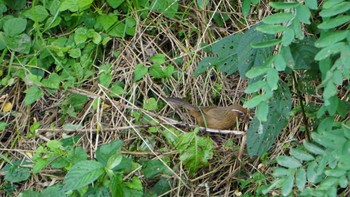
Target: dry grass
111, 120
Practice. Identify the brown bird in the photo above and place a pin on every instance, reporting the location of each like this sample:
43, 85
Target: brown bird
213, 117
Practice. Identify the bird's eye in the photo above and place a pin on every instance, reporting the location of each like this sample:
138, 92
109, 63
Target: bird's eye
239, 112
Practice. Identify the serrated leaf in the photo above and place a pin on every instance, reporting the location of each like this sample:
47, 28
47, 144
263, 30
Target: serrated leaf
158, 59
32, 94
150, 104
82, 174
139, 72
278, 18
335, 10
288, 162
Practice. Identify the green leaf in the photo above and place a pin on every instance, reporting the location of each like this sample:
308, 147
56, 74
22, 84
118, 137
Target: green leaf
312, 4
80, 35
331, 38
302, 54
150, 104
11, 30
332, 49
334, 22
287, 185
288, 36
115, 3
261, 135
330, 90
256, 100
264, 44
279, 63
158, 59
167, 7
301, 155
288, 162
139, 72
278, 18
53, 81
257, 71
278, 172
105, 22
284, 5
2, 125
116, 89
17, 174
300, 179
335, 172
153, 168
74, 53
20, 43
114, 160
169, 70
195, 151
303, 14
262, 111
313, 148
297, 29
37, 13
272, 78
202, 4
32, 94
271, 29
335, 10
105, 151
82, 174
256, 86
156, 71
246, 7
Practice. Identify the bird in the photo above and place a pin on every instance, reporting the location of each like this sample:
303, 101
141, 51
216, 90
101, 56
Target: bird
213, 117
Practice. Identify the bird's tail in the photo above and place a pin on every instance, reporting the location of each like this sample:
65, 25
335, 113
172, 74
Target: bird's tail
180, 102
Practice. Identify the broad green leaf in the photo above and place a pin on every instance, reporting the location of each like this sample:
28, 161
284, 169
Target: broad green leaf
169, 70
17, 174
32, 94
303, 14
328, 183
254, 87
300, 179
195, 151
105, 22
261, 135
334, 22
153, 168
115, 3
167, 7
313, 148
105, 151
150, 104
246, 7
335, 172
117, 89
278, 18
288, 36
271, 29
20, 43
330, 90
343, 182
284, 5
264, 44
156, 71
272, 78
312, 4
287, 185
37, 13
53, 81
257, 71
158, 59
302, 54
139, 72
10, 29
202, 4
262, 110
114, 160
329, 4
74, 53
301, 155
80, 35
335, 10
288, 162
331, 38
82, 174
15, 5
337, 77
